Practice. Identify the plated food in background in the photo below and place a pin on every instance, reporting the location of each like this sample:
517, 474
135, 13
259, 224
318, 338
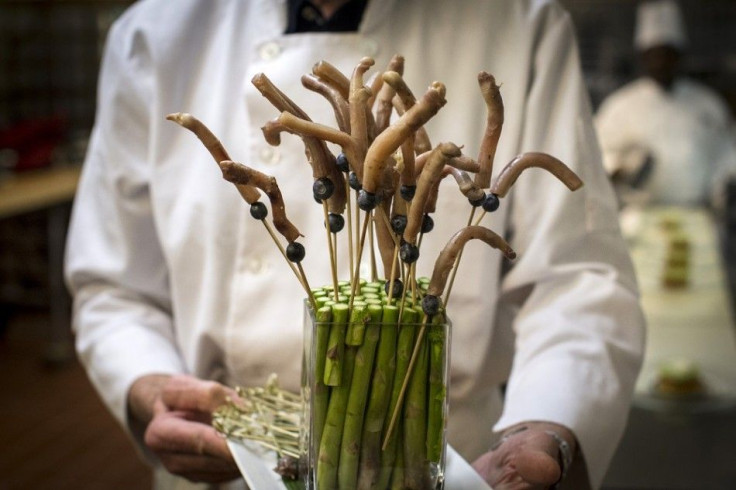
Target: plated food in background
679, 378
376, 348
677, 263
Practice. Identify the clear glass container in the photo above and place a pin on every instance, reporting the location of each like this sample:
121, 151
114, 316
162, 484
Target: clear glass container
375, 399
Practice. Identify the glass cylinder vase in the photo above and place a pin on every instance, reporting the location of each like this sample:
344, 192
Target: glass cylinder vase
375, 391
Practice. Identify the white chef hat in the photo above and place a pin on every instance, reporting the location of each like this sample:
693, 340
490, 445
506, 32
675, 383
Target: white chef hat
659, 23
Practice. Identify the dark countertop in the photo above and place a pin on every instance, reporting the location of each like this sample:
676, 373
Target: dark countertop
671, 451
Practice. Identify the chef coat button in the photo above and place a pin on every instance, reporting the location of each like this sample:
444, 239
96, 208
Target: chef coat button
256, 266
269, 50
370, 47
269, 156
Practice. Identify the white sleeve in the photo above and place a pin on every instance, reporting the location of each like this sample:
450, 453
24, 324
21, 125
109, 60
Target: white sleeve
579, 327
608, 128
613, 127
115, 267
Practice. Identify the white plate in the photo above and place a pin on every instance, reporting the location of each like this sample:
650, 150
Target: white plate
256, 466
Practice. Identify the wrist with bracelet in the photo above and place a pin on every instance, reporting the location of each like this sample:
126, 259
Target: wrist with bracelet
566, 455
565, 451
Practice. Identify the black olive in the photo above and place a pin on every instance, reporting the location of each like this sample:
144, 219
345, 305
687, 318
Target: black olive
342, 163
407, 192
258, 210
336, 221
491, 203
295, 252
398, 224
409, 253
427, 224
367, 200
398, 288
354, 182
430, 305
323, 188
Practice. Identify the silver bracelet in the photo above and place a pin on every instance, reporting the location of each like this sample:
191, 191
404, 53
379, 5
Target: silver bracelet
508, 435
565, 452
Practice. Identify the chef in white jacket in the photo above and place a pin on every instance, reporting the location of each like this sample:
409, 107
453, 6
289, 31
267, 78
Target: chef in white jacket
669, 132
172, 277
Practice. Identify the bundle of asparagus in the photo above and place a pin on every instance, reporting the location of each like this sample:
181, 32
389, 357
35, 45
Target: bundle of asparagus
360, 357
377, 351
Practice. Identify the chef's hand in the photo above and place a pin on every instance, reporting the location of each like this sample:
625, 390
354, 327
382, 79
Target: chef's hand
178, 411
527, 457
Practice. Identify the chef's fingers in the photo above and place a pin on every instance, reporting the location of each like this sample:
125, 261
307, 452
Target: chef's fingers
525, 460
195, 416
172, 432
537, 468
193, 394
159, 407
497, 471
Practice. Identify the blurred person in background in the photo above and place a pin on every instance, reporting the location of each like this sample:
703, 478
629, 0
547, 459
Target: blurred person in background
665, 134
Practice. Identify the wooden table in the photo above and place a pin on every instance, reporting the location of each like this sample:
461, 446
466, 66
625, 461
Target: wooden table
38, 189
51, 190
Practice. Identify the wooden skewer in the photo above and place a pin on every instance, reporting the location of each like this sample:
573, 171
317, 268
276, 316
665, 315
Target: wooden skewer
372, 242
457, 262
480, 218
356, 278
382, 212
404, 274
306, 285
300, 276
393, 275
413, 279
333, 264
358, 252
334, 247
349, 212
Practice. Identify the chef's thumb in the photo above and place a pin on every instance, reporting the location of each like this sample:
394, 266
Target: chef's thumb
192, 394
538, 467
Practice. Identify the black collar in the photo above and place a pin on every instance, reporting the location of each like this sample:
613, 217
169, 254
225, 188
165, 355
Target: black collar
305, 17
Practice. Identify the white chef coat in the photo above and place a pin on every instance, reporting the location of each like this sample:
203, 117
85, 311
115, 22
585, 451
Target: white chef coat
686, 131
170, 274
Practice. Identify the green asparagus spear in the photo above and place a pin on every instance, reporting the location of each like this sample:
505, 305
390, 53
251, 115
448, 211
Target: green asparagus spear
336, 346
329, 448
395, 472
356, 328
321, 391
321, 300
380, 396
416, 469
350, 448
404, 348
436, 337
